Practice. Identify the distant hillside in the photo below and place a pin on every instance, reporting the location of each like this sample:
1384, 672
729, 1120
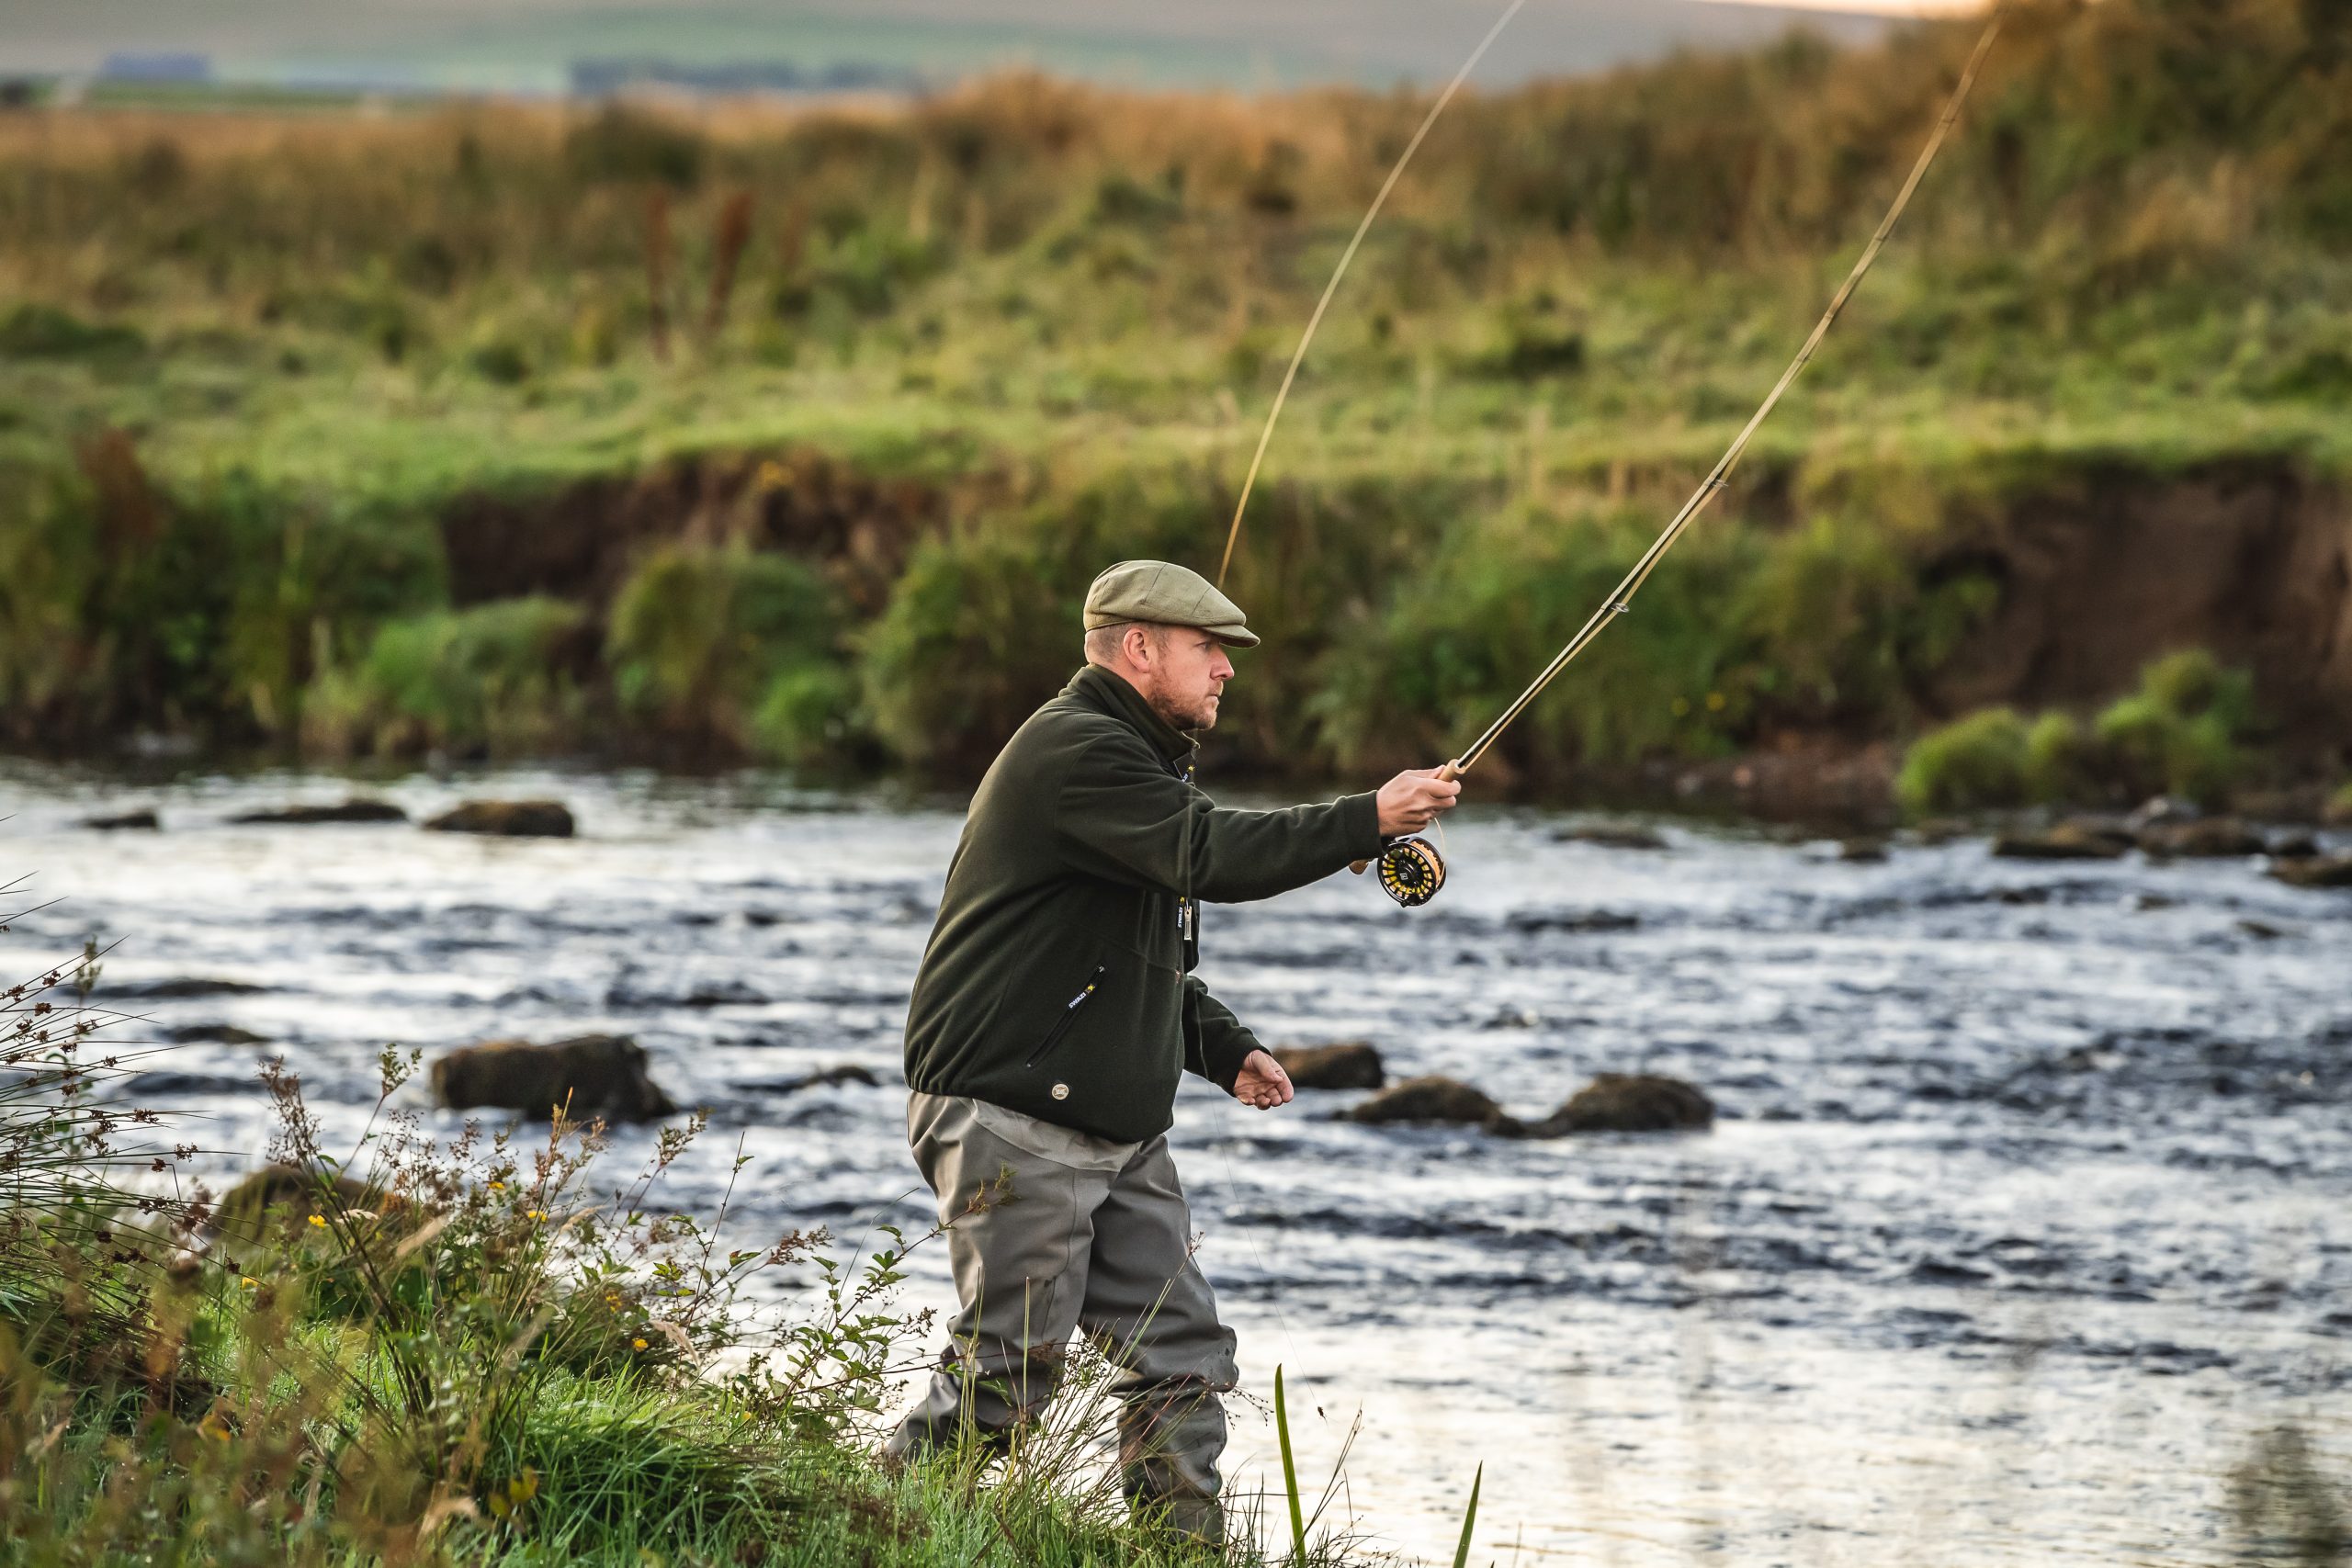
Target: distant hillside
530, 45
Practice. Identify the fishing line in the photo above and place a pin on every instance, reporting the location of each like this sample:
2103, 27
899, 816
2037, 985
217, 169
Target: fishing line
1265, 436
1621, 600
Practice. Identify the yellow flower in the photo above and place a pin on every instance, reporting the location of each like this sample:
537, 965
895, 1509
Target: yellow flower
319, 1222
639, 1343
249, 1282
1716, 702
498, 1187
535, 1214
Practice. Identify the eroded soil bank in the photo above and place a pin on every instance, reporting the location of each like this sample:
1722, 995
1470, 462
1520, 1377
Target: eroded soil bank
792, 606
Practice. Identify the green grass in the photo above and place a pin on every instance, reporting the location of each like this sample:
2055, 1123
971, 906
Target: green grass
460, 1353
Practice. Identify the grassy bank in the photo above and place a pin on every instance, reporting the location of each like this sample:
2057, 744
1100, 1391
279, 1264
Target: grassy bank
473, 1351
782, 434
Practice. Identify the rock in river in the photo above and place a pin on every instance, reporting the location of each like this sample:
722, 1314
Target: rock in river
1350, 1064
1630, 1102
2314, 871
599, 1075
508, 818
144, 818
2206, 838
357, 809
1430, 1100
1612, 836
2068, 840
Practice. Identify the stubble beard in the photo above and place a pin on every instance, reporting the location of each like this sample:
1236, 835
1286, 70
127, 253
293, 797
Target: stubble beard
1201, 714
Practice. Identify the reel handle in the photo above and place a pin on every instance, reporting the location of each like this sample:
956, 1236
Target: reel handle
1450, 773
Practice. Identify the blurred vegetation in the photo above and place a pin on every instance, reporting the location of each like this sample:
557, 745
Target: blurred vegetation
2190, 730
255, 368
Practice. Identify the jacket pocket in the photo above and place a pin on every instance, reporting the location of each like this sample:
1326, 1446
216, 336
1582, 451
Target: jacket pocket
1069, 1015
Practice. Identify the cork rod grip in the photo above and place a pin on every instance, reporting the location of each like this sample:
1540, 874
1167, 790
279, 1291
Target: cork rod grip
1449, 772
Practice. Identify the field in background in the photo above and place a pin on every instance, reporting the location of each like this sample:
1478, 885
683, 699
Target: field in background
756, 433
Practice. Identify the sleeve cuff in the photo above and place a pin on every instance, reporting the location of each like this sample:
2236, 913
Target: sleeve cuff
1361, 815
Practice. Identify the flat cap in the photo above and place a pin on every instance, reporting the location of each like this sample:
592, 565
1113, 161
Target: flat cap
1170, 595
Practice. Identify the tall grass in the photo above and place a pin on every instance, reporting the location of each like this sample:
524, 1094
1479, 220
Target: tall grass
465, 1351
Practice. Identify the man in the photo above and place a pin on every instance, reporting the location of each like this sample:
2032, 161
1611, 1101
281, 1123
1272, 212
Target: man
1055, 1011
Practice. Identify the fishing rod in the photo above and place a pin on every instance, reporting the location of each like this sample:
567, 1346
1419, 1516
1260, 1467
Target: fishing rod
1411, 869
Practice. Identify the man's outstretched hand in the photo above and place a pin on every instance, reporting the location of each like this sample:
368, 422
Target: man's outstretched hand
1262, 1084
1411, 801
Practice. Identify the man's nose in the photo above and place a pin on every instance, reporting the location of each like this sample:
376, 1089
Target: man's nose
1222, 669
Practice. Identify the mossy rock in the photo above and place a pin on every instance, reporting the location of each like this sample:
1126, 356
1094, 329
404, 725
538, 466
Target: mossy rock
1352, 1064
275, 1206
356, 809
2210, 838
1630, 1102
507, 818
2068, 840
590, 1076
2314, 871
1432, 1100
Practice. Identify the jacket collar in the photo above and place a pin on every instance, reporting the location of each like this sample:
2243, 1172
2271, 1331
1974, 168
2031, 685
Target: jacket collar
1105, 692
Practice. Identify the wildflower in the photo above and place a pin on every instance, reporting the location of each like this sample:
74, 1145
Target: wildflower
319, 1221
639, 1343
498, 1187
535, 1215
1717, 702
249, 1282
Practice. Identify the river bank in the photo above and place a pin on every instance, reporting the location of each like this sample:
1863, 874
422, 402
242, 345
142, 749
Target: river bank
2016, 1235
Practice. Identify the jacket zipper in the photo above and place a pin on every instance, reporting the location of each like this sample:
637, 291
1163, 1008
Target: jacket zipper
1061, 1025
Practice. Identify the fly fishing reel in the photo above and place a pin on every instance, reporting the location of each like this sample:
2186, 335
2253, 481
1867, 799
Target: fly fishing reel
1411, 871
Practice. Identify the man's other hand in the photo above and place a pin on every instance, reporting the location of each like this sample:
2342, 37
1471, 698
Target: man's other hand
1262, 1084
1411, 801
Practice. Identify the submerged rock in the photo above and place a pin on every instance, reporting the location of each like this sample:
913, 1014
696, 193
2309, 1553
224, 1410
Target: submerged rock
2067, 841
507, 818
214, 1035
823, 1078
1352, 1064
1629, 1102
146, 818
1612, 836
176, 990
2205, 837
1445, 1101
591, 1075
2314, 871
357, 809
274, 1204
1863, 851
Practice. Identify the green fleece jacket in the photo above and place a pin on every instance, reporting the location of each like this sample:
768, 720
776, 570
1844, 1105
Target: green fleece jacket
1057, 981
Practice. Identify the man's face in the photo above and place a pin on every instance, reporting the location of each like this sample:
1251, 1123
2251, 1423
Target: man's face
1189, 672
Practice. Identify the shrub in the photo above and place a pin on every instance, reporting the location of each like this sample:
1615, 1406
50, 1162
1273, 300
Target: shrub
34, 331
968, 646
699, 636
2061, 758
620, 144
500, 677
809, 715
2183, 732
1969, 764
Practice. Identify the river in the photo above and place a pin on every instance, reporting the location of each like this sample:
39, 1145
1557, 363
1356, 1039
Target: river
2029, 1213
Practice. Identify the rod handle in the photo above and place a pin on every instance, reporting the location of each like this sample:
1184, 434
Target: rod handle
1450, 773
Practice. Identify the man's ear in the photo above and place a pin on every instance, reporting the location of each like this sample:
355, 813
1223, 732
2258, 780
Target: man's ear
1136, 643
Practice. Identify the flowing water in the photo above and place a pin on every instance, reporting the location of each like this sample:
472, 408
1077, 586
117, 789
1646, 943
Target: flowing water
2027, 1221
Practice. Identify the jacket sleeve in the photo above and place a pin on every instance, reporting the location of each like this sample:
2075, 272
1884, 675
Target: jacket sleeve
1215, 1043
1121, 816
